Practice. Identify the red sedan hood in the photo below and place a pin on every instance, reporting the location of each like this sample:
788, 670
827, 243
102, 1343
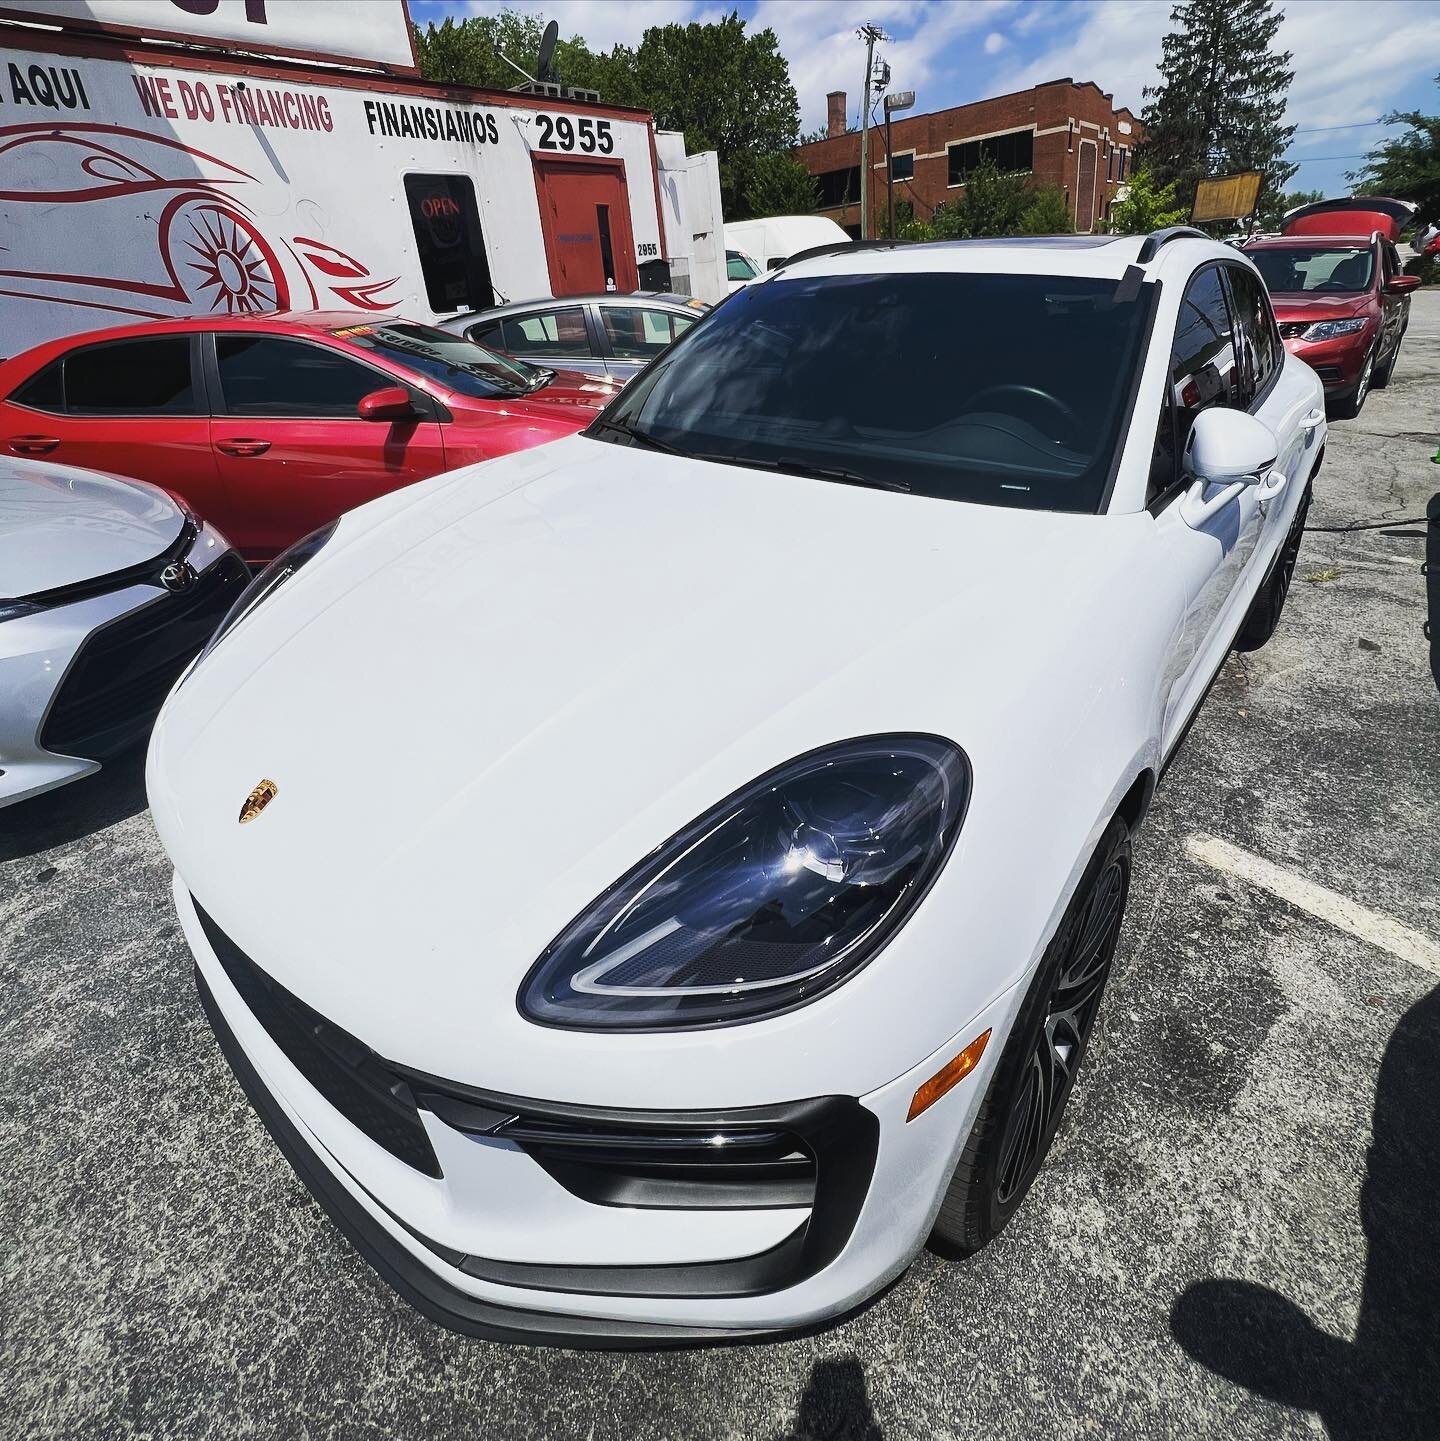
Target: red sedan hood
1318, 307
571, 388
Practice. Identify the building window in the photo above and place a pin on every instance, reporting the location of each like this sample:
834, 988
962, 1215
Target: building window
1109, 161
1123, 153
839, 187
902, 167
1015, 151
451, 247
1070, 137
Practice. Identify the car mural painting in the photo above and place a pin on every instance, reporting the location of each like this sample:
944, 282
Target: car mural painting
211, 253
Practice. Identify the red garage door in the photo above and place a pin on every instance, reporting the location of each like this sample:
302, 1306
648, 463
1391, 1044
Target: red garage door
585, 215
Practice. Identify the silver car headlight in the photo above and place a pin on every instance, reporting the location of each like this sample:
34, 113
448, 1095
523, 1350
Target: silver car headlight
768, 900
269, 580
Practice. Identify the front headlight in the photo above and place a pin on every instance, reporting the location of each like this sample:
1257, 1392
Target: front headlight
271, 578
766, 901
1329, 329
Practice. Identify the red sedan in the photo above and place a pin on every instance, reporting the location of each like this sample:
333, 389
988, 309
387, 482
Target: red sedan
271, 426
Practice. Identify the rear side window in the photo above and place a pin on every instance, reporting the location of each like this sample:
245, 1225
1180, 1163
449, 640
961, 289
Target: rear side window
267, 375
552, 332
131, 377
637, 334
44, 391
1260, 348
487, 335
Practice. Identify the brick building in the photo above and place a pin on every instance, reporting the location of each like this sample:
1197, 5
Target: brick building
1067, 134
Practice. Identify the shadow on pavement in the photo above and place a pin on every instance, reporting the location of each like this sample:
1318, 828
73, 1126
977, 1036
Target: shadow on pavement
835, 1405
1384, 1382
114, 793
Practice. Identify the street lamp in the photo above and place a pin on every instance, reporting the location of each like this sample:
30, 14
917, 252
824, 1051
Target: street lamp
900, 100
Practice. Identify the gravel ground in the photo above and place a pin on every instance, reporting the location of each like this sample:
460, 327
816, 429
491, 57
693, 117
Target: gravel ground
1234, 1237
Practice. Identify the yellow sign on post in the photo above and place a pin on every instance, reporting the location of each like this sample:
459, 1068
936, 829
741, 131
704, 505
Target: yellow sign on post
1227, 197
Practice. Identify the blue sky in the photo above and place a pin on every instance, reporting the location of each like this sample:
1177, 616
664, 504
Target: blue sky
1354, 59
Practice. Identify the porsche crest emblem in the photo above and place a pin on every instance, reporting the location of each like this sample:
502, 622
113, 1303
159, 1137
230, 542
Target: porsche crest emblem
257, 800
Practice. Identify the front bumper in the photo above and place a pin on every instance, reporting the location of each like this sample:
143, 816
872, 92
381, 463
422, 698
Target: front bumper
81, 681
513, 1239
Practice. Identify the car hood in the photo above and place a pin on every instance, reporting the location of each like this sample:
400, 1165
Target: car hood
1319, 307
569, 391
60, 525
496, 698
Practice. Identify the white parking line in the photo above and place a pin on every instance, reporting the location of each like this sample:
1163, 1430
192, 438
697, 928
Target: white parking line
1339, 911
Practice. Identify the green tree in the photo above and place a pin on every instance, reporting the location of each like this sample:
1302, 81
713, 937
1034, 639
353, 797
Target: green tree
992, 203
1408, 166
1146, 206
1221, 98
779, 184
1046, 212
729, 91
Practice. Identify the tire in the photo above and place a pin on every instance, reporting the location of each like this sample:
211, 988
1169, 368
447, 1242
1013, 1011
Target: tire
1036, 1076
1382, 375
1347, 406
1263, 617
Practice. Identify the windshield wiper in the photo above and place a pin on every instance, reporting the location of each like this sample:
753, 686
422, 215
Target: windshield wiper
642, 437
832, 472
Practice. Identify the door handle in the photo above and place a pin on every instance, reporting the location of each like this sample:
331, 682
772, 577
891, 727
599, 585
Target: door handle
33, 444
1272, 485
1315, 419
243, 447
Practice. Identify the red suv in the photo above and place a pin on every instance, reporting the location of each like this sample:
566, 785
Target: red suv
271, 426
1340, 299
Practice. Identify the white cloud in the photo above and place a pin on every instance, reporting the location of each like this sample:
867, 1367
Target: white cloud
995, 42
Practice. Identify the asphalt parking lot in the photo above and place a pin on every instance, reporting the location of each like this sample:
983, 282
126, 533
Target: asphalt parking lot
1234, 1237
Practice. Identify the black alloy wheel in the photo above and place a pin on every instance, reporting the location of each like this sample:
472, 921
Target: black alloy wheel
1036, 1074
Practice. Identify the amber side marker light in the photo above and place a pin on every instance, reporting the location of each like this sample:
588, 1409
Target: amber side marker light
949, 1076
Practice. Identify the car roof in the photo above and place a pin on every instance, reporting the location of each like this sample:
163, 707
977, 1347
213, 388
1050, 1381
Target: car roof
320, 322
661, 298
1098, 256
1297, 242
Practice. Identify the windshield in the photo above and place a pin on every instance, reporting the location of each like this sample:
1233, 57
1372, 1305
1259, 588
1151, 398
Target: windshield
1314, 269
739, 266
454, 361
1004, 389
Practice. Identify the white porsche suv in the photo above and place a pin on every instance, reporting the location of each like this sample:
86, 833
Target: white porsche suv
650, 884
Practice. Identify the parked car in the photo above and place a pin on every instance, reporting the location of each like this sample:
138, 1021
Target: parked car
108, 589
606, 334
773, 241
651, 885
272, 425
1343, 306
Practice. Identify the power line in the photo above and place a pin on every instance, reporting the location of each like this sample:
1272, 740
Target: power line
1354, 125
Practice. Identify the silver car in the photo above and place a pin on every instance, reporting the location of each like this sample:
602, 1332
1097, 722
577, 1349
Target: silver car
108, 589
606, 334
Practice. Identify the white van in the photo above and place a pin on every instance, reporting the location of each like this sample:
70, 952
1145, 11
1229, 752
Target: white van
772, 241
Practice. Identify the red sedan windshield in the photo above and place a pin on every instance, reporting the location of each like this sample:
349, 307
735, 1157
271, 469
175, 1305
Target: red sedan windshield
455, 362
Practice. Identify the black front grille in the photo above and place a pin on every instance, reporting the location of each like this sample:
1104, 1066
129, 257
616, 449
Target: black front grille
345, 1071
121, 674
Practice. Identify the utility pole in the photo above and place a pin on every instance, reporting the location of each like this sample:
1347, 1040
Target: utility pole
869, 34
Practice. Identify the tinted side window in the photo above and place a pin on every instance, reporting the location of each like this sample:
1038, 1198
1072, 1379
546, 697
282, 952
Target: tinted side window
552, 332
1202, 362
487, 335
637, 334
266, 375
131, 377
45, 391
1260, 349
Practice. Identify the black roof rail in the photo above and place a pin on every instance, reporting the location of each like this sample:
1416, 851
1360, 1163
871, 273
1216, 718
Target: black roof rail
837, 247
1157, 238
